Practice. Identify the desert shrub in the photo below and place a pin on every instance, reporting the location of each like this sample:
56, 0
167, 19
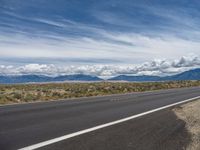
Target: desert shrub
29, 97
17, 95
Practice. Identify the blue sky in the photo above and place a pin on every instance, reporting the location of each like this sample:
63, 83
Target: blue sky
104, 38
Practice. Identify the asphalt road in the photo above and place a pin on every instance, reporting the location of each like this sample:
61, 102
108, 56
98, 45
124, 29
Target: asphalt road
27, 124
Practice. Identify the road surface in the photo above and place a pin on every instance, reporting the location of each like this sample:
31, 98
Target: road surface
23, 125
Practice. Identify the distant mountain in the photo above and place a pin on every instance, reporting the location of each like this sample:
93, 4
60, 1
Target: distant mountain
187, 75
77, 77
135, 78
40, 78
24, 79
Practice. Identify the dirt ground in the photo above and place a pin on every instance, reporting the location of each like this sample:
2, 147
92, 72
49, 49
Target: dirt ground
190, 114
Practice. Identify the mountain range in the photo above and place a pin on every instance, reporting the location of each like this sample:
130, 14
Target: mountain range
41, 78
187, 75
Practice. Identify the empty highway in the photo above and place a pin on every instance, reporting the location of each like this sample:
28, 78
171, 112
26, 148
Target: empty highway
23, 125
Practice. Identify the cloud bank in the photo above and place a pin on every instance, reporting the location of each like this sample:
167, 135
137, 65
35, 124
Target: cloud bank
156, 67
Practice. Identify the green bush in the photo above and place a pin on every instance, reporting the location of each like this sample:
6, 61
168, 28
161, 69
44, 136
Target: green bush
17, 95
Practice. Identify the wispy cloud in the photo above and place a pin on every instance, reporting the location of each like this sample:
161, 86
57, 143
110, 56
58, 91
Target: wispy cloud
134, 47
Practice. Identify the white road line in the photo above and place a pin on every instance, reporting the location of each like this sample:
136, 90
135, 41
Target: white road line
48, 142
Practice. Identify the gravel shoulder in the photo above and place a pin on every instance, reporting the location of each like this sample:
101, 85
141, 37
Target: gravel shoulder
190, 114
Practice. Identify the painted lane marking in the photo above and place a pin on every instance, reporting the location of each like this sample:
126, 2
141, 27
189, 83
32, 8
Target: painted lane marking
58, 139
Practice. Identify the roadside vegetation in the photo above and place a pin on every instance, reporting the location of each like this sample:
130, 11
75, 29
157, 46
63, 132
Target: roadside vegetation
19, 93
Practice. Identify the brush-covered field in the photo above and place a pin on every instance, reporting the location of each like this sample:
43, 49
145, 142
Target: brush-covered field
19, 93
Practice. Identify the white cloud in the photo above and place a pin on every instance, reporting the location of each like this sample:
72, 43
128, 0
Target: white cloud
155, 67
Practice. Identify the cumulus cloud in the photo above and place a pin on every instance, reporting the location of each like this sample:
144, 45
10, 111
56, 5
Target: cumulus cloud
155, 67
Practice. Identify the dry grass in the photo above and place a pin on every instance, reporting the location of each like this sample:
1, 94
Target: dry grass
53, 91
